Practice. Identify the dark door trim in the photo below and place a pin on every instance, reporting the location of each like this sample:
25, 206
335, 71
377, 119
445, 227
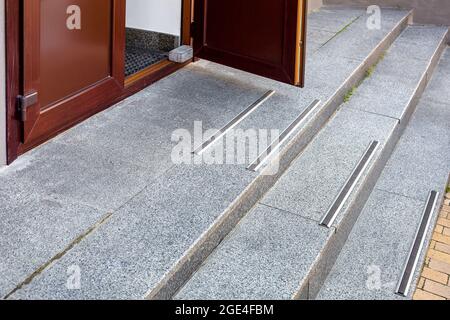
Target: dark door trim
13, 16
14, 63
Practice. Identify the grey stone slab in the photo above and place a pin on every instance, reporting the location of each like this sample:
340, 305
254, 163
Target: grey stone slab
141, 132
267, 256
332, 20
316, 38
81, 174
438, 89
311, 184
372, 260
256, 133
359, 47
384, 95
34, 229
421, 161
325, 73
130, 253
420, 42
218, 90
394, 82
406, 70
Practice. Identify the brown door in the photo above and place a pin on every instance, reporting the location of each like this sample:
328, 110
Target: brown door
265, 37
73, 62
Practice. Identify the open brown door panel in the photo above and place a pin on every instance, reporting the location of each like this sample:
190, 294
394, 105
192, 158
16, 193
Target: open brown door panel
264, 37
72, 63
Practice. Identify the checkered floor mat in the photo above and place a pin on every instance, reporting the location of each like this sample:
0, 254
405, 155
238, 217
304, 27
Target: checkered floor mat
138, 59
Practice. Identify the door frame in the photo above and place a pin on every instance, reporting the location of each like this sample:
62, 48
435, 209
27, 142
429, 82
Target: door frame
14, 77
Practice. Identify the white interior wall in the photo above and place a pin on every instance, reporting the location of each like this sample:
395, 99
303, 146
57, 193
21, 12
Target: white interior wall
155, 15
2, 85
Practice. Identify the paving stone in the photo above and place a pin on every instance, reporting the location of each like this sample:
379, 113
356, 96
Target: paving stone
265, 257
440, 266
444, 222
441, 238
441, 256
446, 232
421, 283
442, 247
437, 288
423, 295
435, 275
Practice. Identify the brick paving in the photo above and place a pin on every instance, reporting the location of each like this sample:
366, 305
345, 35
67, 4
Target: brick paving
434, 283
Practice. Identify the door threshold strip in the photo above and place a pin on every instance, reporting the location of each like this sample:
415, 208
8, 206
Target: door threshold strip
276, 145
419, 240
349, 185
233, 123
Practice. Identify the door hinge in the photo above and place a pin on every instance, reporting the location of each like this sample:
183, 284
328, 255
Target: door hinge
24, 102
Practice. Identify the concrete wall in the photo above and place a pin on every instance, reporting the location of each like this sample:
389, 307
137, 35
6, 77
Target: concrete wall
314, 5
427, 11
162, 16
2, 86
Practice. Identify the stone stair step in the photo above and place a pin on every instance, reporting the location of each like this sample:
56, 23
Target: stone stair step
163, 229
307, 189
371, 262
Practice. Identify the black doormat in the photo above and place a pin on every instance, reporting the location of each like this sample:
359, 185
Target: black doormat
138, 59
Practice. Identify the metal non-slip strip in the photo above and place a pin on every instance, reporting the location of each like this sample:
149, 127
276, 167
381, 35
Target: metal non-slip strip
268, 153
349, 185
413, 258
239, 118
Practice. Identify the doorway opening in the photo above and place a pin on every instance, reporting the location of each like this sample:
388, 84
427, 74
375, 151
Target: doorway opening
153, 29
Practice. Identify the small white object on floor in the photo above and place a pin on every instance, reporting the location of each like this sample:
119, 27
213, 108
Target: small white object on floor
181, 54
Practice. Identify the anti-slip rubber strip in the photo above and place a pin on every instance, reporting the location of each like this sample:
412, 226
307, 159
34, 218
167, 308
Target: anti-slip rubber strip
275, 146
350, 184
419, 240
233, 123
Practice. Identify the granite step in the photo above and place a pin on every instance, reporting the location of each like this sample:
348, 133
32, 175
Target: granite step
280, 250
158, 221
371, 263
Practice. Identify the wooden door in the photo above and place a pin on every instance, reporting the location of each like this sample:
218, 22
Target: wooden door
265, 37
73, 62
